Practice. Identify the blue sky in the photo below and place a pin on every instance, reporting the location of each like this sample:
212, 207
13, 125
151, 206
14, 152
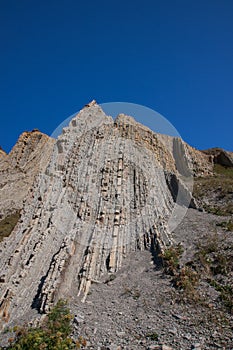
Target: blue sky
175, 57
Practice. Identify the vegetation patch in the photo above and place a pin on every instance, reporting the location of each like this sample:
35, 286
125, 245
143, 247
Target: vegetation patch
185, 278
223, 210
7, 224
152, 336
215, 255
215, 192
221, 170
227, 225
226, 294
54, 334
170, 258
212, 262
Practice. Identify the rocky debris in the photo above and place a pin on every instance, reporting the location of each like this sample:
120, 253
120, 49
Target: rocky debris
19, 168
104, 194
137, 308
220, 156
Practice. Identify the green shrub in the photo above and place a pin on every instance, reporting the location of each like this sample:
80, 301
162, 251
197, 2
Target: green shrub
170, 258
184, 278
226, 294
187, 280
214, 256
152, 336
52, 335
223, 210
223, 171
218, 186
227, 225
7, 224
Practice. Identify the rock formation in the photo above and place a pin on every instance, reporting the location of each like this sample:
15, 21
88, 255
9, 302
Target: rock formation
110, 188
188, 160
220, 156
19, 168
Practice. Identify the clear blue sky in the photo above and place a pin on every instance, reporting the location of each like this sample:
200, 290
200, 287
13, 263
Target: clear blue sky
175, 57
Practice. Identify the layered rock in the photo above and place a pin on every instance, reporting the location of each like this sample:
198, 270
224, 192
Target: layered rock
189, 161
19, 168
109, 189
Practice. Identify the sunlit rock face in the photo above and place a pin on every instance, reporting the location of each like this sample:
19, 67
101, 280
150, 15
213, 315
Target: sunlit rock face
19, 168
109, 189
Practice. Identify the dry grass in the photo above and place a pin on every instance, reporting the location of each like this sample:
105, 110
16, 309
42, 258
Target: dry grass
214, 256
218, 189
185, 278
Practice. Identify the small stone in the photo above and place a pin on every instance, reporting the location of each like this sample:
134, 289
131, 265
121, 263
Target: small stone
114, 347
78, 319
120, 334
173, 331
154, 347
179, 317
188, 336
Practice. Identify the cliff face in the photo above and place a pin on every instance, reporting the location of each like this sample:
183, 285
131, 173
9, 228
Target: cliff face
188, 160
18, 169
109, 189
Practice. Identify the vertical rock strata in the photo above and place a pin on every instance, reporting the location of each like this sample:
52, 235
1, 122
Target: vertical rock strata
19, 168
103, 194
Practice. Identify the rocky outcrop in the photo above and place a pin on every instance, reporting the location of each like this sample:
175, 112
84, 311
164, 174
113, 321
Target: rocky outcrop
104, 194
202, 164
110, 188
189, 161
220, 156
19, 168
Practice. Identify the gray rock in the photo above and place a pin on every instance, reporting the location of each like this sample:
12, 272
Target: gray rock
96, 202
19, 169
78, 319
